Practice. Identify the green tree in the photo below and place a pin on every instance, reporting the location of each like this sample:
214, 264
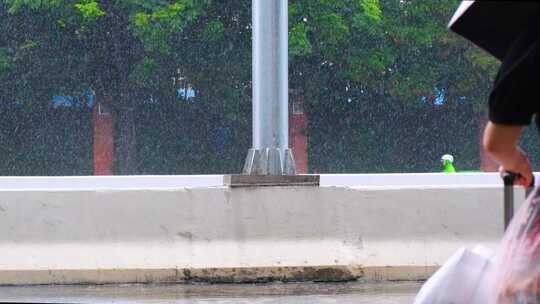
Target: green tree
373, 73
378, 67
116, 48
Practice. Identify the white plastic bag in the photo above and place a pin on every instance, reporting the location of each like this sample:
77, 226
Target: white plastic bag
516, 272
461, 280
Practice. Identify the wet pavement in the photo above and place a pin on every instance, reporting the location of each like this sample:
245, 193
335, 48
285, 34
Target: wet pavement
311, 293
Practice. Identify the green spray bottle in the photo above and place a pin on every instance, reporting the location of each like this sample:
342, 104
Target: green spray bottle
448, 163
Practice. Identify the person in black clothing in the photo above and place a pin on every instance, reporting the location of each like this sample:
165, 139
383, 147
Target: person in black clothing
510, 31
513, 103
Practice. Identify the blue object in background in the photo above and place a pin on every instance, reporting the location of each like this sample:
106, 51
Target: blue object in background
186, 93
70, 101
62, 101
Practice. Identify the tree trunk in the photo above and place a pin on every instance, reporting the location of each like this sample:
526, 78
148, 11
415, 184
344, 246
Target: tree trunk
125, 142
120, 50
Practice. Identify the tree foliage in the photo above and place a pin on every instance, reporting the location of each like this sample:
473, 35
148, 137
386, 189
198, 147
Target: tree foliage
388, 87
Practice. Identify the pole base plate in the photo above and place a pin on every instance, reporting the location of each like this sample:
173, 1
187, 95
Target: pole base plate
238, 180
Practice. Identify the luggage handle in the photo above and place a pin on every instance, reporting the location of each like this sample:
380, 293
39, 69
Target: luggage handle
509, 179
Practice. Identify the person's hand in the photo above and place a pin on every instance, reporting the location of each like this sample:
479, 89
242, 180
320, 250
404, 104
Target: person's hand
520, 165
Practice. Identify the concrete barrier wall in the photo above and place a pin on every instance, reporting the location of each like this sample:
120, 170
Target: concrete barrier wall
110, 182
247, 234
204, 181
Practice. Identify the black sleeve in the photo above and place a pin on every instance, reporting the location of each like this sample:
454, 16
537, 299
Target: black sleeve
514, 99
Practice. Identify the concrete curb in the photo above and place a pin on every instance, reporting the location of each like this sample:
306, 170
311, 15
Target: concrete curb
214, 275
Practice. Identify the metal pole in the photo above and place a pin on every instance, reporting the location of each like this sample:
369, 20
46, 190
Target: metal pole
270, 154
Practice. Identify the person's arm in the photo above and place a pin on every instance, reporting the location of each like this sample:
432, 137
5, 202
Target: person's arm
501, 143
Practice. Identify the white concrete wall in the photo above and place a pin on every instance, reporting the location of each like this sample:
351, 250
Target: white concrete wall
198, 181
110, 182
414, 179
65, 236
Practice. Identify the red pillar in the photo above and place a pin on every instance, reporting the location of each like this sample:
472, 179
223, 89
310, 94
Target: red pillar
103, 140
298, 139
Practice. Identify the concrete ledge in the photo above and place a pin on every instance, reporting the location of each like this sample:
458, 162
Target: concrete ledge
215, 275
400, 273
94, 183
225, 234
89, 276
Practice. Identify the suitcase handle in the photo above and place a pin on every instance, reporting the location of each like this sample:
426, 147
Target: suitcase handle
509, 179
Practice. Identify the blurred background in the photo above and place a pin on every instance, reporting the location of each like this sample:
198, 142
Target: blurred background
164, 87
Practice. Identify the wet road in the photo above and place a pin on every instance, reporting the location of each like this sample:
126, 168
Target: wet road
343, 293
